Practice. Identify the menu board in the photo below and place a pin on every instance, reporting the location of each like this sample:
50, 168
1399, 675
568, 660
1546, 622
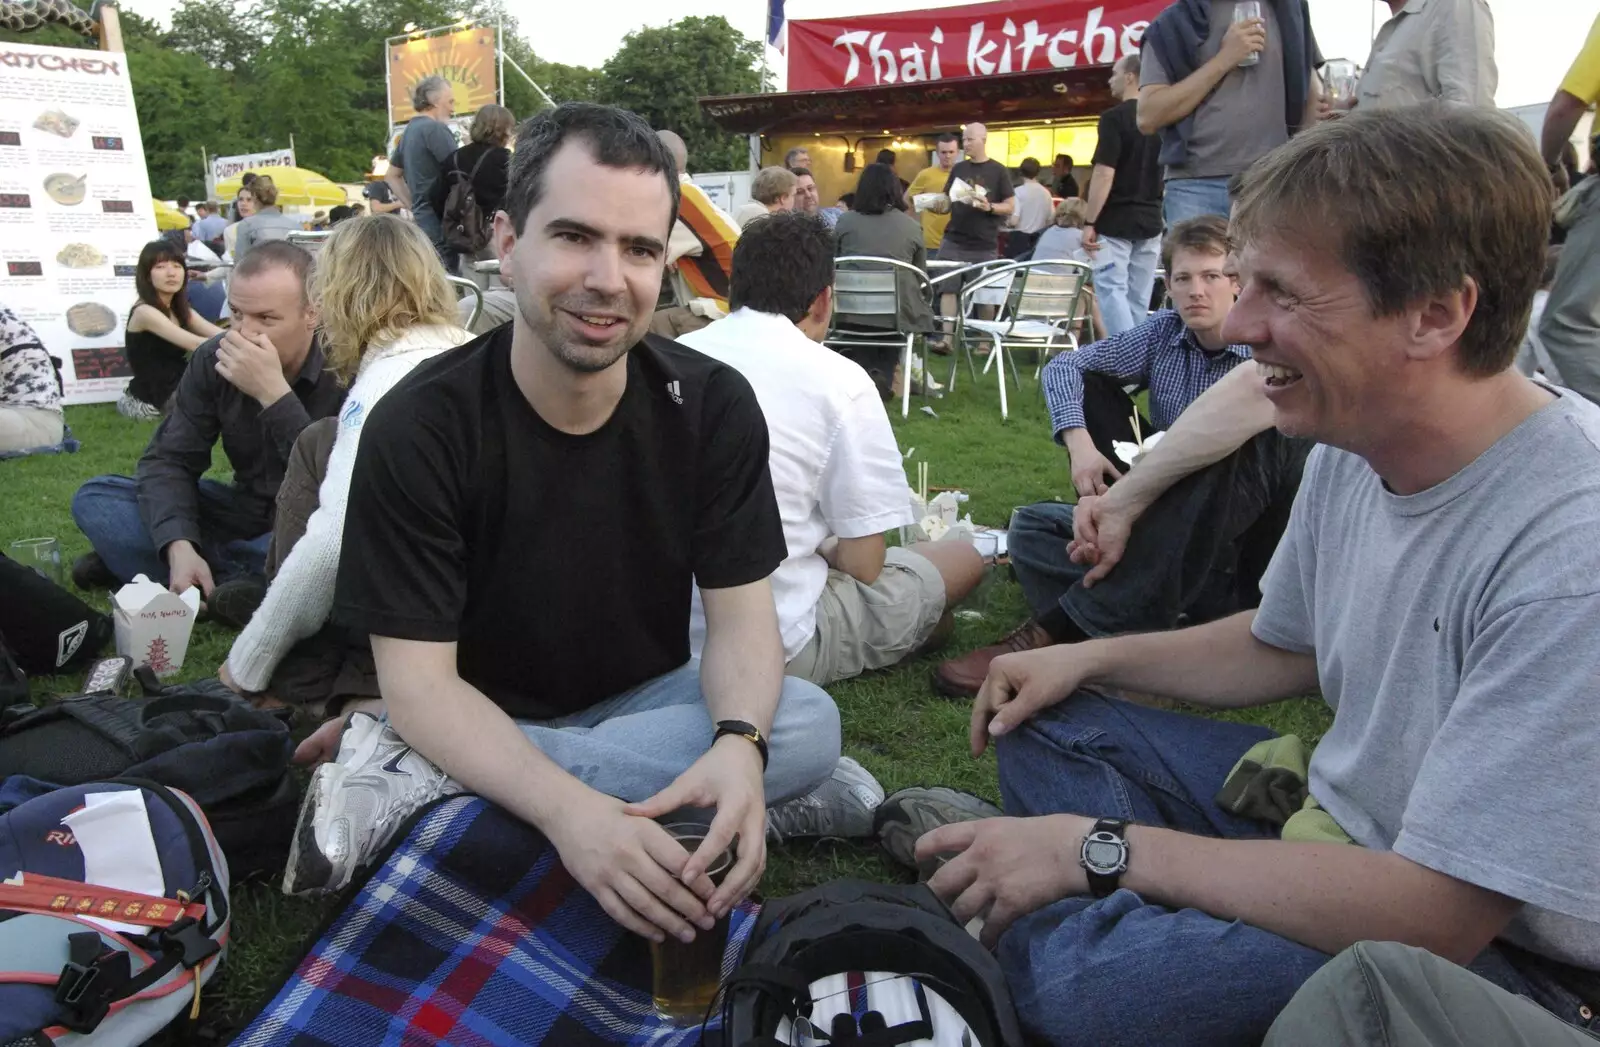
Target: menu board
75, 207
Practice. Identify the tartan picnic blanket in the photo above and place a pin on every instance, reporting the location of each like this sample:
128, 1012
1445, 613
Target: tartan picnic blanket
472, 932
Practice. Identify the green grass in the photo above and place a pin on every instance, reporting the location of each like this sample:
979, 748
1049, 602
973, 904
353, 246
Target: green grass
893, 723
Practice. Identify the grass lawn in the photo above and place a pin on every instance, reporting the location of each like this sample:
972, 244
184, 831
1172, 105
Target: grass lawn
893, 723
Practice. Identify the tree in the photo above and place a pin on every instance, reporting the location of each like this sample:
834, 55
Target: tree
225, 35
660, 73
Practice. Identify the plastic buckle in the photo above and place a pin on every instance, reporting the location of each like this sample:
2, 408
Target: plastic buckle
189, 940
85, 990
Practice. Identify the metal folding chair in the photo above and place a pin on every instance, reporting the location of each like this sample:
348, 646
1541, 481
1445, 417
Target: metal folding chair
866, 285
950, 280
1039, 313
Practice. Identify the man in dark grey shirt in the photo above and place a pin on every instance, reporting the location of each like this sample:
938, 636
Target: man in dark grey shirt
256, 386
417, 160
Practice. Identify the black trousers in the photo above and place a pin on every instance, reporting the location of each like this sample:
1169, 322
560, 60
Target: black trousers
1106, 410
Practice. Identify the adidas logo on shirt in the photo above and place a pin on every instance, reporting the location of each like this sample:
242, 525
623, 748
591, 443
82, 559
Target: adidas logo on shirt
674, 392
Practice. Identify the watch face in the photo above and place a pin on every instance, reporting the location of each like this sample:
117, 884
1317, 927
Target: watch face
1103, 855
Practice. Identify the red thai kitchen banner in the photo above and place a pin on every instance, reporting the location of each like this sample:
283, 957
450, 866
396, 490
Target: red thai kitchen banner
989, 39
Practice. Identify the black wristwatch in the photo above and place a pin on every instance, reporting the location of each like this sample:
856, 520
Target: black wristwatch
1104, 856
748, 731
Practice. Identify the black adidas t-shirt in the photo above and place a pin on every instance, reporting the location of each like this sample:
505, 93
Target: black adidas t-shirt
561, 565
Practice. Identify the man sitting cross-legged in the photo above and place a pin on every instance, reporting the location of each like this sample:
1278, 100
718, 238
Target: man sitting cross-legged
846, 604
527, 516
255, 386
1211, 497
1440, 581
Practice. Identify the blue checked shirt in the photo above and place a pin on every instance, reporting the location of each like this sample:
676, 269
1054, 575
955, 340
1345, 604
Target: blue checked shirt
1160, 354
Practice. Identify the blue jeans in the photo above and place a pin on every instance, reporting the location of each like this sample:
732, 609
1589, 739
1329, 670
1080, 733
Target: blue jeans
106, 509
1124, 273
1185, 198
635, 744
1118, 970
431, 224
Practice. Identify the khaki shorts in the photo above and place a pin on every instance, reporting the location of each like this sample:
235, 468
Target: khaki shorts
861, 627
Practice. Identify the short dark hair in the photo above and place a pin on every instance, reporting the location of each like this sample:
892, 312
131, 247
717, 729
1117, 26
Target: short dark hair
1482, 213
878, 190
781, 264
1209, 232
1029, 168
948, 136
802, 172
847, 201
615, 137
278, 254
248, 177
340, 213
885, 156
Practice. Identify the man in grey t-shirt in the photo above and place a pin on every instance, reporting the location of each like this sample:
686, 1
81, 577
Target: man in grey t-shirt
1227, 104
1439, 582
415, 165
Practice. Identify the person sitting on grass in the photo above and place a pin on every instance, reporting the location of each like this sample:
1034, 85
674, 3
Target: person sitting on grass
162, 330
1217, 493
30, 388
1439, 581
527, 519
255, 386
385, 307
846, 603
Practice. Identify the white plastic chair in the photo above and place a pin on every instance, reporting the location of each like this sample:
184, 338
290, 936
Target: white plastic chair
1039, 312
866, 285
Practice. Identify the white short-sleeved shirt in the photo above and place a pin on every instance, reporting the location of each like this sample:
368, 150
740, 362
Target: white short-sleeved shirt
836, 468
1457, 637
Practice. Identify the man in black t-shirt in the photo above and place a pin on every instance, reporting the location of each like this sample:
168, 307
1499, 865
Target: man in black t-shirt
526, 520
1123, 230
973, 234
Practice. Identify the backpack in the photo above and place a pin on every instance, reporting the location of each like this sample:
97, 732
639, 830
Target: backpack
228, 756
466, 227
13, 681
48, 629
131, 852
942, 985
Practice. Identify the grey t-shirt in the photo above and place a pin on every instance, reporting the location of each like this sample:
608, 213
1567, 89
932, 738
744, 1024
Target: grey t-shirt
422, 149
1457, 636
1243, 118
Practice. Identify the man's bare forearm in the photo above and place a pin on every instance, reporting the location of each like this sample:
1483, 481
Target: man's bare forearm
395, 179
741, 667
1220, 421
1161, 105
1326, 896
1220, 664
1560, 120
1099, 191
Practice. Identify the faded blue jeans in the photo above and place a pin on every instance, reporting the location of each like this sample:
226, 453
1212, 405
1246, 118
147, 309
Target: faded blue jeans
1124, 275
1185, 198
106, 509
1115, 971
635, 744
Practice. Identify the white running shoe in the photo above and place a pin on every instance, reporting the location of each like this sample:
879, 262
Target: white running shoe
841, 808
354, 804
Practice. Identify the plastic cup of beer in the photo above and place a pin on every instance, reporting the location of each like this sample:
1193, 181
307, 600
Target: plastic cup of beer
1243, 11
42, 554
685, 976
1342, 80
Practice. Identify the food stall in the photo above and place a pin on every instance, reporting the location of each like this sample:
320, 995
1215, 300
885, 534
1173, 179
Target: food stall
1036, 72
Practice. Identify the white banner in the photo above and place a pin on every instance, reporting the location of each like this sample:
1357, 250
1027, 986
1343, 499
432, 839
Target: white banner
75, 207
227, 166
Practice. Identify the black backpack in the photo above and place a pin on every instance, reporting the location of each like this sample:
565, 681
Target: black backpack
466, 227
48, 629
230, 757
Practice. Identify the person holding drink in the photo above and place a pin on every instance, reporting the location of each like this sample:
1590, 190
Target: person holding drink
1442, 49
526, 519
1220, 105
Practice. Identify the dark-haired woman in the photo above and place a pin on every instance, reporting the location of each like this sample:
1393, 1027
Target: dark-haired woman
162, 330
485, 161
876, 225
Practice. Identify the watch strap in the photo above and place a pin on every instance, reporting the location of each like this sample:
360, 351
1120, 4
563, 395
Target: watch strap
748, 731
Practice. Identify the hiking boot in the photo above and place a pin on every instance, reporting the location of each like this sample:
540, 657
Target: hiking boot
354, 805
903, 818
89, 573
840, 808
234, 601
961, 677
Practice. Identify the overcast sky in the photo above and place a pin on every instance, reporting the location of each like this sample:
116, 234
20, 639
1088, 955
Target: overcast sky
1535, 40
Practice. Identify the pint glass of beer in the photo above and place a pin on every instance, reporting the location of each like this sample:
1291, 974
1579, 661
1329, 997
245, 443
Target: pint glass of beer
684, 978
1244, 11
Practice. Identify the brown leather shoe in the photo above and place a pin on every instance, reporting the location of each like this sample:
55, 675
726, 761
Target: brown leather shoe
961, 677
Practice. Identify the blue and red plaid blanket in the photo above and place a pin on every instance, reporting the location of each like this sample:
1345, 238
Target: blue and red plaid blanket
472, 932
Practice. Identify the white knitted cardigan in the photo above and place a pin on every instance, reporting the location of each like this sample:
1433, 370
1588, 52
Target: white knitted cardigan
301, 595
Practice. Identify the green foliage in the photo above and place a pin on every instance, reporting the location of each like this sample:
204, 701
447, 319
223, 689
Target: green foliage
660, 72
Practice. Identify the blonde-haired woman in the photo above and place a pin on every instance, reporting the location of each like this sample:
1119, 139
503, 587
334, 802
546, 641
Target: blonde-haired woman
772, 189
385, 307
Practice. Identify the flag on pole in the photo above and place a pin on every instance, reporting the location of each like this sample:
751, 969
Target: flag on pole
777, 34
